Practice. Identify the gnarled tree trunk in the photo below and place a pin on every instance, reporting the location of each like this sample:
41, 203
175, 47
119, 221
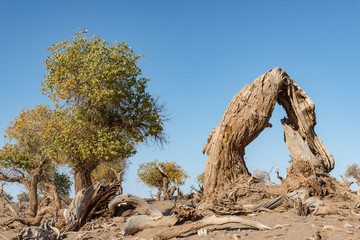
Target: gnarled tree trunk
32, 188
247, 116
82, 179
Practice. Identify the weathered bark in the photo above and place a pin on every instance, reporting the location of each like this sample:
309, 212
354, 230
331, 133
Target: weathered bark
212, 220
247, 116
82, 179
300, 136
278, 176
32, 188
89, 202
134, 200
158, 194
347, 183
37, 219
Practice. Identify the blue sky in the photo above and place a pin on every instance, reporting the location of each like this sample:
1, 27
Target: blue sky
199, 54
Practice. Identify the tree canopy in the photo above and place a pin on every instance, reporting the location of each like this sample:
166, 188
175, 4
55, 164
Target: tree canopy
149, 173
103, 107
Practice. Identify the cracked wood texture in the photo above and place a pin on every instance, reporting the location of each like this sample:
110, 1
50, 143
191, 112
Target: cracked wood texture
248, 115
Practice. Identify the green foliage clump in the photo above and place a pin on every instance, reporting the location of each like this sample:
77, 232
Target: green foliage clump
62, 183
103, 108
149, 173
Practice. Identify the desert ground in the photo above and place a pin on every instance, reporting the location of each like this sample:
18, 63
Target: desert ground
285, 224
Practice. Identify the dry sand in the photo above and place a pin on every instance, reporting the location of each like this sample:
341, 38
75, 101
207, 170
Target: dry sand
286, 225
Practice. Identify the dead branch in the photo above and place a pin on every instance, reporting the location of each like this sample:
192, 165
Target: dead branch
278, 176
37, 219
212, 220
347, 183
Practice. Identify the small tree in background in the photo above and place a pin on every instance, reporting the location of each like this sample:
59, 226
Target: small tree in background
160, 175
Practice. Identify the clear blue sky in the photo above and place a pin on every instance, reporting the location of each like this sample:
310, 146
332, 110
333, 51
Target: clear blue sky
199, 54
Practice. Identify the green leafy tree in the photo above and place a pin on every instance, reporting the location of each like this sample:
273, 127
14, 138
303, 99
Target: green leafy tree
24, 158
159, 175
62, 183
103, 107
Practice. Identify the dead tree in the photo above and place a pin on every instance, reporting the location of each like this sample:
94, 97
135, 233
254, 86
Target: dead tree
247, 116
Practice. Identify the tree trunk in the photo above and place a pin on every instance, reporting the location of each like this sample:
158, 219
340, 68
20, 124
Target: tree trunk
56, 197
165, 187
247, 116
32, 188
82, 179
158, 194
165, 179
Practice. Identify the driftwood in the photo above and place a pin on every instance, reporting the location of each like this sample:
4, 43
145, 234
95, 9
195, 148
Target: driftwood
141, 222
46, 232
212, 220
37, 219
89, 202
136, 201
347, 183
247, 116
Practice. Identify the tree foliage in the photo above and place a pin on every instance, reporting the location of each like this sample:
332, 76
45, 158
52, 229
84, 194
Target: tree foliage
109, 172
62, 183
200, 179
103, 107
23, 197
26, 139
149, 173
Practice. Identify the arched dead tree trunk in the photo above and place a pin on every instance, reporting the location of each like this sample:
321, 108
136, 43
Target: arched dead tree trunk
247, 116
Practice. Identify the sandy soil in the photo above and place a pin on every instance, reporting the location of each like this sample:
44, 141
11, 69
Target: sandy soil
286, 225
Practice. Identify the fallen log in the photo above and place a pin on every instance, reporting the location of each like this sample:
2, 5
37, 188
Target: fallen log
37, 219
141, 222
212, 220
